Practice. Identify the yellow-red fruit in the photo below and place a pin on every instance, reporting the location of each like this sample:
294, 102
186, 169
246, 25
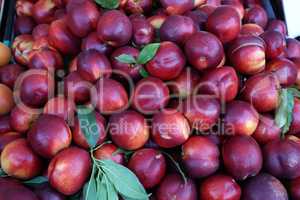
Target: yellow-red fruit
6, 100
18, 160
5, 54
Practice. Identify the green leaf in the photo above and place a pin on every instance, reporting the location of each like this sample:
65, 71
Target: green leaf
2, 173
124, 181
284, 113
111, 191
125, 58
88, 125
295, 92
143, 73
102, 188
90, 189
147, 53
36, 181
108, 4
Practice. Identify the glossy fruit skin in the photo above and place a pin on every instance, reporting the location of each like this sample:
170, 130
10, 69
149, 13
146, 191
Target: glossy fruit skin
294, 189
6, 100
114, 28
110, 96
167, 63
173, 186
91, 41
138, 7
18, 160
49, 135
202, 112
225, 23
242, 157
61, 107
275, 43
45, 59
241, 118
76, 88
173, 7
108, 151
45, 192
21, 48
83, 18
267, 130
93, 65
21, 118
277, 25
9, 74
251, 29
247, 54
8, 137
219, 187
222, 83
292, 50
295, 125
156, 91
284, 69
256, 15
125, 69
24, 25
40, 31
36, 86
199, 17
264, 85
143, 31
183, 86
200, 157
61, 37
258, 187
282, 158
177, 28
170, 128
204, 51
78, 136
24, 8
13, 190
69, 170
43, 11
128, 129
149, 165
237, 5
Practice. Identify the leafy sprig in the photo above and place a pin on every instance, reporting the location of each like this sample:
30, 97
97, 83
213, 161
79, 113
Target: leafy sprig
108, 4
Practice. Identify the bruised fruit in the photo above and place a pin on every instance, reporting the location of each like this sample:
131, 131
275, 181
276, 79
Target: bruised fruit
174, 187
149, 165
170, 128
69, 170
128, 129
219, 187
18, 160
242, 157
110, 151
200, 157
49, 135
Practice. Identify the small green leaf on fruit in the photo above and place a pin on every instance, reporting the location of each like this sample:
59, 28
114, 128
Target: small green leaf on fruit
36, 181
147, 53
88, 124
124, 181
125, 58
90, 188
284, 113
108, 4
143, 73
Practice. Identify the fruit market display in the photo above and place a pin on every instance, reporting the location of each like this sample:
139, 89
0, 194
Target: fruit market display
149, 100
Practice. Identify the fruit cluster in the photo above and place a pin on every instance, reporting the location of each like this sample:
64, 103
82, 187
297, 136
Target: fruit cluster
117, 99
